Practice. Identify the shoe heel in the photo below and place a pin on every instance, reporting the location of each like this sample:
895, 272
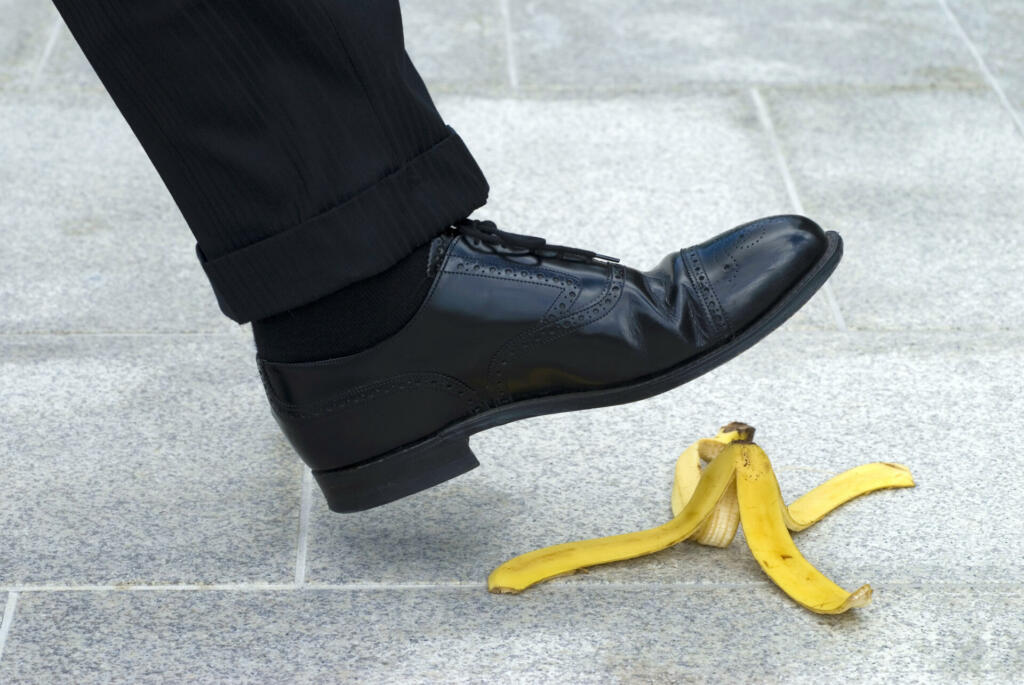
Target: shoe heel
395, 475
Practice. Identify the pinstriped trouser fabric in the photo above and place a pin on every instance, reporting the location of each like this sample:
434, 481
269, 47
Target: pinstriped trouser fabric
296, 136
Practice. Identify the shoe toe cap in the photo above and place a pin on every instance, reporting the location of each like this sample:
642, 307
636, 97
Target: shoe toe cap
750, 267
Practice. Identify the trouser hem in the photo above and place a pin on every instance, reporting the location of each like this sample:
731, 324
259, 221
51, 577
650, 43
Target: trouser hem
358, 238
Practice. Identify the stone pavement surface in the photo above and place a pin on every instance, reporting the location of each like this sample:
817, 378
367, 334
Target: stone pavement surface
154, 525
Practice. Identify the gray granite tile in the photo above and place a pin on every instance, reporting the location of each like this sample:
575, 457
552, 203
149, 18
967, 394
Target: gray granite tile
927, 189
641, 634
457, 46
995, 28
24, 31
632, 177
609, 45
4, 620
141, 459
824, 403
92, 239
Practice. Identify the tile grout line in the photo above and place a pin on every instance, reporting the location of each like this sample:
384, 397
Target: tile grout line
117, 334
51, 42
983, 67
241, 587
510, 52
463, 585
764, 116
8, 619
305, 507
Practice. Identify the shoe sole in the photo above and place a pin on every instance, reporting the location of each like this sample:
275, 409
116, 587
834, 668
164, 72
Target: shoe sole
446, 454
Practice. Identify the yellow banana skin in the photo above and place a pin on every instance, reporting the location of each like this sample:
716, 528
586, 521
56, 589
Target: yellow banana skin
835, 492
527, 569
764, 526
737, 486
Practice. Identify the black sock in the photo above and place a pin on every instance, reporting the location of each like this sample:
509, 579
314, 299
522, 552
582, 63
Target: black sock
352, 319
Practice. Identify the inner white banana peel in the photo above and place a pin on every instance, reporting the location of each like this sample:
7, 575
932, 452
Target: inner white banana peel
737, 486
720, 527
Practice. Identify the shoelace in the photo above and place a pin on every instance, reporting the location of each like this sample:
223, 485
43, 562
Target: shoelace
487, 232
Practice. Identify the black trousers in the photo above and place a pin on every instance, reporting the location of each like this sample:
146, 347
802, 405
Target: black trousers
296, 136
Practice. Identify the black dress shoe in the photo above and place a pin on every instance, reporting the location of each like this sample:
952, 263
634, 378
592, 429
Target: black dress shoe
514, 328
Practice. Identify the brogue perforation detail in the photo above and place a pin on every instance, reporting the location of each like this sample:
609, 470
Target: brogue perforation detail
559, 308
472, 267
750, 237
748, 241
438, 250
702, 284
553, 326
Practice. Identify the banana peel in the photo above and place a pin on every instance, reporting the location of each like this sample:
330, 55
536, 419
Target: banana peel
736, 487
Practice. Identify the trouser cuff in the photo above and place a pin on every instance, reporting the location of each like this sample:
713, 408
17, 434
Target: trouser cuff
362, 236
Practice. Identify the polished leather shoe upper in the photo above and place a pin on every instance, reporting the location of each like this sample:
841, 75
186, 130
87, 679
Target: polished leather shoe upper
508, 320
749, 267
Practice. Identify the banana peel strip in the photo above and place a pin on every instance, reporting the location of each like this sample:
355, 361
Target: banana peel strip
764, 527
530, 568
738, 485
807, 510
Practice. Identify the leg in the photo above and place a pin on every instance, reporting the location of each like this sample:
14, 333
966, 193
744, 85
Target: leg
307, 156
296, 137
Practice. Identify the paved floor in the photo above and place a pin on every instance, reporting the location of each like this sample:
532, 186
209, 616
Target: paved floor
155, 526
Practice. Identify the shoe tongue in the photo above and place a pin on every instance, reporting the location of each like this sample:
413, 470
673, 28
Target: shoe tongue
438, 248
